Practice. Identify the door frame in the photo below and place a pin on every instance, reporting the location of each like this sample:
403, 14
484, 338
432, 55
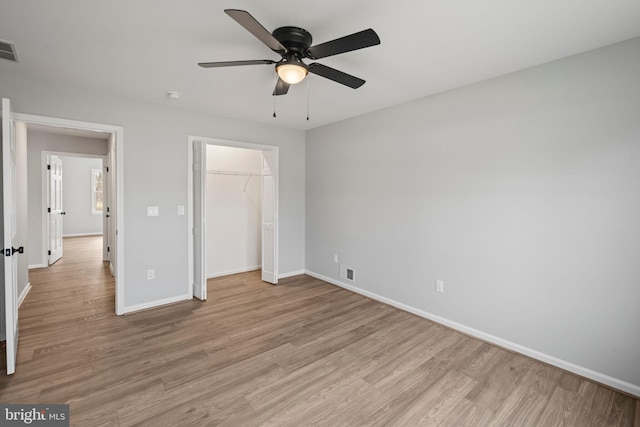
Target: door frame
45, 198
190, 195
118, 132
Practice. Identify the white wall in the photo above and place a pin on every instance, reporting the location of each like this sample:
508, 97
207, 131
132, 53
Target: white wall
522, 193
37, 142
76, 196
233, 204
155, 174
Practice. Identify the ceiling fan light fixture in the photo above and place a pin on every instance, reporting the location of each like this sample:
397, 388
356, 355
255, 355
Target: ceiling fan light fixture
292, 72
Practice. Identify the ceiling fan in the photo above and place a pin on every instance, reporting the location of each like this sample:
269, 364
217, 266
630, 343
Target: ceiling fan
293, 44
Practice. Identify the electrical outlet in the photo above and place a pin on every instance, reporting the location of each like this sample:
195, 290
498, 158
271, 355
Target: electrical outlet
151, 274
439, 286
181, 210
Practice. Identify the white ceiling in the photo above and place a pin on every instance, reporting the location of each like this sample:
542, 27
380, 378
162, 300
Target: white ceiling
144, 48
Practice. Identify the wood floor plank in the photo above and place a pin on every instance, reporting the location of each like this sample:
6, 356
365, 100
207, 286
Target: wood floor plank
526, 405
301, 353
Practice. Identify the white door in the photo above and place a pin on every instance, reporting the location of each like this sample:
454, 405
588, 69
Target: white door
269, 218
199, 220
106, 209
112, 208
9, 231
55, 208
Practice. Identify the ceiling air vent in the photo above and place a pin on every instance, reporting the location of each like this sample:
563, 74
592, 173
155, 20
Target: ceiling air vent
8, 51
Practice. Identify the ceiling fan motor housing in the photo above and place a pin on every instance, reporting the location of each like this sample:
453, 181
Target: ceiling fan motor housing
295, 39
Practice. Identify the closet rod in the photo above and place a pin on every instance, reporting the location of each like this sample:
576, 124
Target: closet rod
218, 172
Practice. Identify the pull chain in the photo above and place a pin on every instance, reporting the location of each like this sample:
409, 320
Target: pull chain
308, 99
274, 97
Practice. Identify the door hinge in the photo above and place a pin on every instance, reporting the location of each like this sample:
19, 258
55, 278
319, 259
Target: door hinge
48, 167
49, 210
108, 249
49, 253
107, 168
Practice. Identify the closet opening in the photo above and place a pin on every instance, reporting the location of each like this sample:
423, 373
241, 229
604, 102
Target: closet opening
234, 205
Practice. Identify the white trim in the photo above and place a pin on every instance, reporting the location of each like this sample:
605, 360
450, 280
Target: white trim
190, 230
23, 294
33, 266
291, 274
82, 234
230, 272
158, 303
118, 131
551, 360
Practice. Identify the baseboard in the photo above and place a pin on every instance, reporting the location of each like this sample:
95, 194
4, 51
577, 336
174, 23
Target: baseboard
154, 304
230, 272
23, 294
82, 234
32, 266
599, 377
290, 274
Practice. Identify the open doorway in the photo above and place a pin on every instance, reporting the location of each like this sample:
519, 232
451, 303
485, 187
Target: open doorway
63, 166
15, 218
75, 195
234, 210
98, 144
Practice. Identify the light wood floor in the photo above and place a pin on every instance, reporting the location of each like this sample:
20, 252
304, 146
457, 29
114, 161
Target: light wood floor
300, 353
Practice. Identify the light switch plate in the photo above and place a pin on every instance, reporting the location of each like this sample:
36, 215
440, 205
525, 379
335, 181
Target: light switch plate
153, 211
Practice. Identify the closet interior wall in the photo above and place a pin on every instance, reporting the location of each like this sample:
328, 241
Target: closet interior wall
233, 206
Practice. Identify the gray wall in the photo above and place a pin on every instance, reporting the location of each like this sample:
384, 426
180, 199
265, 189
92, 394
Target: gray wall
521, 193
155, 174
76, 196
37, 142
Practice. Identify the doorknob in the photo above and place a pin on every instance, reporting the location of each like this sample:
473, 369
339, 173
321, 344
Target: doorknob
9, 252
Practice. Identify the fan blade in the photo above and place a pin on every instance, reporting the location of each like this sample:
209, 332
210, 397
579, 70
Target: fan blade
335, 75
235, 63
250, 23
282, 87
344, 44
